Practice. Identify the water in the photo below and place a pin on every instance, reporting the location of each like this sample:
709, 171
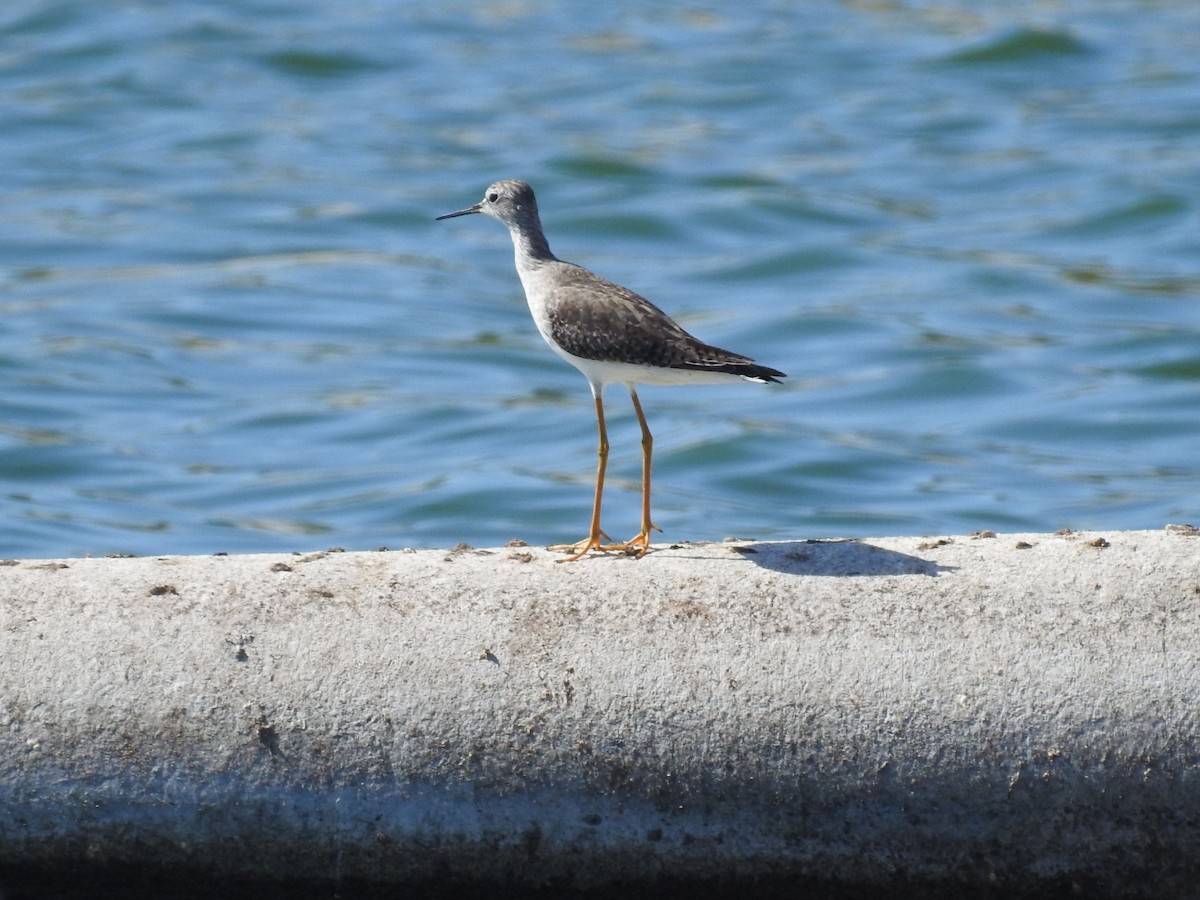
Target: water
228, 321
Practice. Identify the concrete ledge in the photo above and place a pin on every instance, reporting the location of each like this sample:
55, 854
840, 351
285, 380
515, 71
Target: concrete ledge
1016, 713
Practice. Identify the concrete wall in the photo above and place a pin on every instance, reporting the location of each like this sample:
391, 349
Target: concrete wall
1016, 712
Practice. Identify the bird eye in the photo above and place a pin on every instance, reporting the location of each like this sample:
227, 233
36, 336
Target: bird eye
493, 197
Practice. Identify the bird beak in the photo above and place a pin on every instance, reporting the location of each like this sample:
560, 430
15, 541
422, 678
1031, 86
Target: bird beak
478, 207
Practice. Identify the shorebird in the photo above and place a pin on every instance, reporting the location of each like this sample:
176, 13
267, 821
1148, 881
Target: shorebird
611, 335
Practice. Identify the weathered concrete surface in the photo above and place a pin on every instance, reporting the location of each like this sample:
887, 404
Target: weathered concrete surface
964, 713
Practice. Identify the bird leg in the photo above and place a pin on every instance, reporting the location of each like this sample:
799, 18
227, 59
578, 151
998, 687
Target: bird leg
592, 541
640, 544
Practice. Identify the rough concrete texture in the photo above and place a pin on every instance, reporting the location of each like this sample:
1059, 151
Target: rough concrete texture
1013, 711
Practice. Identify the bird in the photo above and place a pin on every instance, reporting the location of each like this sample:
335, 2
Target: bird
611, 335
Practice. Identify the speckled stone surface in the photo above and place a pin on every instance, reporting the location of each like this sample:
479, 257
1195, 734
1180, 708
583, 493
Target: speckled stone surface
1012, 710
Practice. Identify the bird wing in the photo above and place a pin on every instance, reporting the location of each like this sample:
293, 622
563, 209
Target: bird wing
596, 319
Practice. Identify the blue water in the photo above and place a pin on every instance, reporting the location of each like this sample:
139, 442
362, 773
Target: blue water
969, 232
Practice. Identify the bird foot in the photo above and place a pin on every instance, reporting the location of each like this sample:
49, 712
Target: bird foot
635, 547
639, 545
580, 549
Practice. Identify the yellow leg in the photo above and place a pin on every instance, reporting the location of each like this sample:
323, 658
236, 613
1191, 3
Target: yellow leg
641, 543
592, 541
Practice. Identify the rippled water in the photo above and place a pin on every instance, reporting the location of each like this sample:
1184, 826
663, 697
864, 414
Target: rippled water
228, 321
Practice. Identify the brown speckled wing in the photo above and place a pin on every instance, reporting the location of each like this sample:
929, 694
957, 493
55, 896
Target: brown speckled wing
627, 328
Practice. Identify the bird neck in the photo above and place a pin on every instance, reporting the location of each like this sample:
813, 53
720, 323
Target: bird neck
529, 242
